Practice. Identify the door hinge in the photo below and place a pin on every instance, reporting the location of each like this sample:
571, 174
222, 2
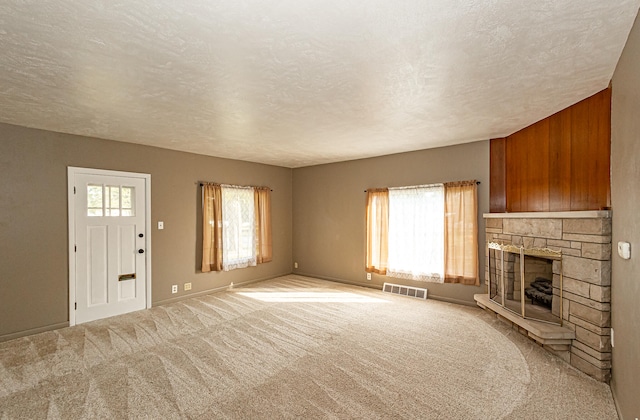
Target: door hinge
74, 190
75, 248
75, 306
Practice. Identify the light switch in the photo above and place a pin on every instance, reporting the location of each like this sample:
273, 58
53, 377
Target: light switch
160, 225
624, 250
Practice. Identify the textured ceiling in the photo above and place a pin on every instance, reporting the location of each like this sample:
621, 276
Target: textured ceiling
302, 82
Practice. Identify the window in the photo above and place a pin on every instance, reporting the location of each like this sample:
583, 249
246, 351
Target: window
416, 233
426, 233
236, 227
110, 200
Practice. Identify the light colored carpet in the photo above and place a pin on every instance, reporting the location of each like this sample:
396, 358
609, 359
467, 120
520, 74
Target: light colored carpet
294, 347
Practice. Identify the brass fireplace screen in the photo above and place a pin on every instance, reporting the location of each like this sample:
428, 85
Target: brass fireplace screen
526, 281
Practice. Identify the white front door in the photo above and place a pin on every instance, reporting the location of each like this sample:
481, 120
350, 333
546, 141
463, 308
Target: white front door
109, 243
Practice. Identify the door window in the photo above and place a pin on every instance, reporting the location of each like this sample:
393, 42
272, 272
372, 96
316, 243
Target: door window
110, 200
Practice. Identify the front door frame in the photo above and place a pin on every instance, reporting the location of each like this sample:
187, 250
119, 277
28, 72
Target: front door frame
72, 171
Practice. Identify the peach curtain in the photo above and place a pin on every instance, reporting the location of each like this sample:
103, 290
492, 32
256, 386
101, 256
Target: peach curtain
262, 202
211, 227
377, 231
461, 233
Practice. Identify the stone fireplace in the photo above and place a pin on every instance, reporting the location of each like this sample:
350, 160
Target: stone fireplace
580, 282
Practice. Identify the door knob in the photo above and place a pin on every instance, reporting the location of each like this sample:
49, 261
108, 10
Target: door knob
141, 251
140, 235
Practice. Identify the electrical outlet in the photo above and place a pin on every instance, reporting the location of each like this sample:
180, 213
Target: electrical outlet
174, 288
295, 265
368, 276
187, 286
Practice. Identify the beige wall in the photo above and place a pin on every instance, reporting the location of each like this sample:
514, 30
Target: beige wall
329, 210
625, 200
33, 219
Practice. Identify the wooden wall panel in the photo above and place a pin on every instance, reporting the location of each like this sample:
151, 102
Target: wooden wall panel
560, 163
580, 156
538, 167
600, 169
515, 186
528, 169
497, 185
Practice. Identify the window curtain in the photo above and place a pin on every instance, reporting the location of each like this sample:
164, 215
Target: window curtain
211, 227
262, 202
238, 224
416, 234
461, 233
377, 230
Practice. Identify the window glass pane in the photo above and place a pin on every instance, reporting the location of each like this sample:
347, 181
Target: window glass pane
115, 197
113, 203
107, 200
126, 201
94, 200
238, 228
126, 197
416, 233
94, 212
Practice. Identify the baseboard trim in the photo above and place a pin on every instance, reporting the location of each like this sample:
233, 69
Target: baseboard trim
615, 400
452, 300
355, 283
214, 290
379, 287
24, 333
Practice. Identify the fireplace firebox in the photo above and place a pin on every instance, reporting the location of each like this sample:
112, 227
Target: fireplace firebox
526, 281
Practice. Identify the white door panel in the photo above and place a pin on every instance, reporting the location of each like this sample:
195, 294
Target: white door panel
127, 254
96, 256
110, 245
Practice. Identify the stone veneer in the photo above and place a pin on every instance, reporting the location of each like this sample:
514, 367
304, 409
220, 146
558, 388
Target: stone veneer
585, 243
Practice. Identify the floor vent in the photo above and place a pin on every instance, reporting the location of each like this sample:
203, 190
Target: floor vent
397, 289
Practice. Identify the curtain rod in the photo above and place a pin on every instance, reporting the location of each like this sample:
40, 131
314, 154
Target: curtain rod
201, 183
477, 183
